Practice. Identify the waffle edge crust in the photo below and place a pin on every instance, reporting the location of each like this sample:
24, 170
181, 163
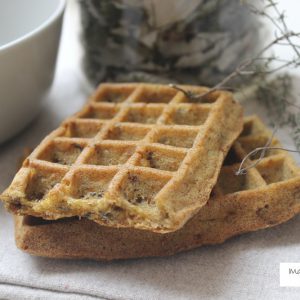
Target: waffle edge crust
137, 155
268, 195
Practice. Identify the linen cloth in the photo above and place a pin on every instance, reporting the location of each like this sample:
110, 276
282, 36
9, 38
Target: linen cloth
245, 267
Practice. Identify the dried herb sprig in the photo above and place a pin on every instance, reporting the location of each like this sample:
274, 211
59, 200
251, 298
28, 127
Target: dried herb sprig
193, 96
189, 94
279, 22
256, 70
243, 170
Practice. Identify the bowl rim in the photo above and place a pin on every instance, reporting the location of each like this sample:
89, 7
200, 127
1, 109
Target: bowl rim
54, 15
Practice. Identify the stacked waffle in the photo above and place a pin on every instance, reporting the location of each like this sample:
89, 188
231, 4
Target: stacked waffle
138, 172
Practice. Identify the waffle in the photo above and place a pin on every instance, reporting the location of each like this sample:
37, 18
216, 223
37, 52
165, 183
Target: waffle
137, 155
268, 195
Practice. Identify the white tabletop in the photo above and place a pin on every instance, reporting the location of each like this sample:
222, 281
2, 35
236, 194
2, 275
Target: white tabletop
246, 267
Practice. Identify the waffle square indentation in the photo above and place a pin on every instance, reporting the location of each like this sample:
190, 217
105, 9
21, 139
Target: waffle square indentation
41, 182
253, 127
251, 143
156, 95
144, 114
128, 133
114, 94
63, 153
100, 112
110, 154
82, 129
176, 137
162, 159
229, 182
275, 169
194, 115
90, 184
141, 188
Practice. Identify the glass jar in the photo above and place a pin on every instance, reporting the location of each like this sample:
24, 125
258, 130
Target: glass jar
194, 41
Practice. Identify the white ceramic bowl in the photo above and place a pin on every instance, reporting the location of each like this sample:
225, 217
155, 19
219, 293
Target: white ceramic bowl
29, 38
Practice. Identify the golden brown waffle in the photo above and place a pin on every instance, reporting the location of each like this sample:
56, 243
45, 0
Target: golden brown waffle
137, 155
268, 195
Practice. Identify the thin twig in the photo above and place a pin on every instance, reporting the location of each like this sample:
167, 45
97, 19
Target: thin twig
243, 171
195, 97
287, 44
292, 104
281, 17
293, 63
188, 94
241, 69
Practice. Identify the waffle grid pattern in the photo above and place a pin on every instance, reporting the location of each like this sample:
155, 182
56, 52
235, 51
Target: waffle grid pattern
127, 144
277, 166
267, 196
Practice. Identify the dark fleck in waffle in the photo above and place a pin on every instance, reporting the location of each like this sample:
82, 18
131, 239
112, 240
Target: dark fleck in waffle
137, 155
